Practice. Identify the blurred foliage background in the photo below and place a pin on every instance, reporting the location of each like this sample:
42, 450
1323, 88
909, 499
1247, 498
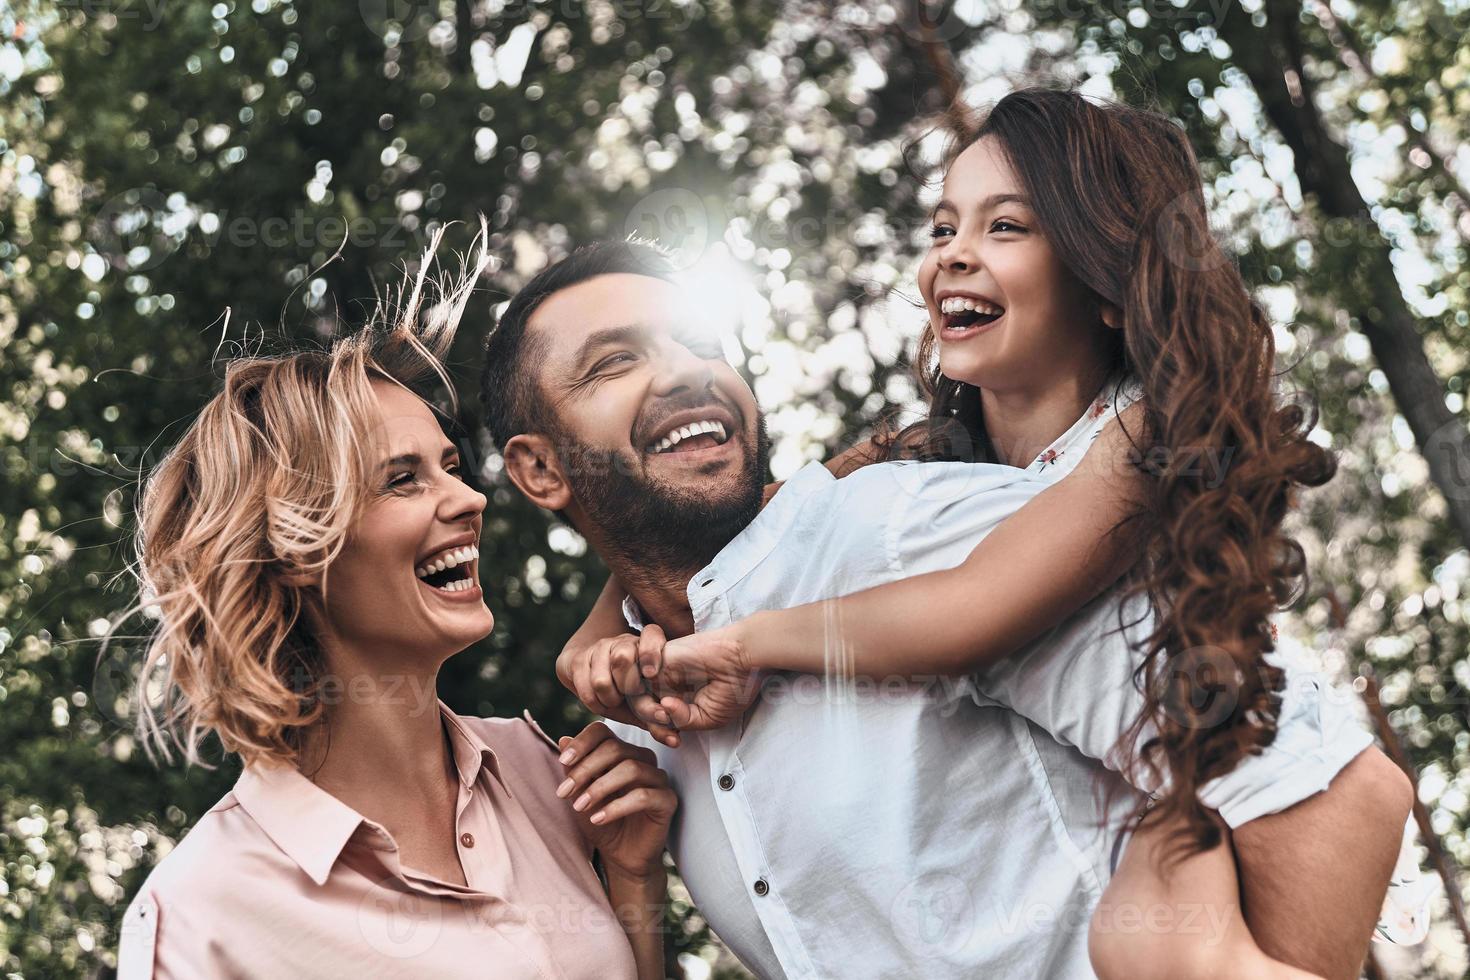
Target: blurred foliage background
173, 177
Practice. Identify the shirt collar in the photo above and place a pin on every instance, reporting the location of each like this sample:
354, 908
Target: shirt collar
312, 826
758, 539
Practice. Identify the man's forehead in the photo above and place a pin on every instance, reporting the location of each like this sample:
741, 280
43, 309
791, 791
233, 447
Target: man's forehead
564, 319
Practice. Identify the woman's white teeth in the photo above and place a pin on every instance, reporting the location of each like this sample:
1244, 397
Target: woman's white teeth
963, 304
671, 440
448, 559
458, 585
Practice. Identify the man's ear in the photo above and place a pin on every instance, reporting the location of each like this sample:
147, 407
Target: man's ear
533, 466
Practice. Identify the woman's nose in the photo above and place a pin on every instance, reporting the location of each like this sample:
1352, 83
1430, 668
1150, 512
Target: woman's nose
463, 501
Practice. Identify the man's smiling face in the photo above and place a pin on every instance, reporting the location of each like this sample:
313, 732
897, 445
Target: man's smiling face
655, 429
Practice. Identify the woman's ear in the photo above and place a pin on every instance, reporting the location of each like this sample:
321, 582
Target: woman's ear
1112, 317
532, 465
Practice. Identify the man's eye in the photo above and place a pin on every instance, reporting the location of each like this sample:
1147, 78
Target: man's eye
615, 360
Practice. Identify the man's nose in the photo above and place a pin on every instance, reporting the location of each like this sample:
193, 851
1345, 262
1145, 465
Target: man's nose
679, 369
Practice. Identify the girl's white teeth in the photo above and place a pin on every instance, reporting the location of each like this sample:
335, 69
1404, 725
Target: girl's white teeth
671, 440
961, 304
448, 559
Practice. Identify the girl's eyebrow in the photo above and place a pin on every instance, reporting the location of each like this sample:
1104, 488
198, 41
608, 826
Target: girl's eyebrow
992, 201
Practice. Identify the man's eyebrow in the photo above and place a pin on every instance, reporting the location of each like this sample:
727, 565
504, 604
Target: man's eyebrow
414, 459
604, 338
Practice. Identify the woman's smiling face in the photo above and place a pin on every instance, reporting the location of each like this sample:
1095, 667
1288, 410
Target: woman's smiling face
421, 516
1006, 312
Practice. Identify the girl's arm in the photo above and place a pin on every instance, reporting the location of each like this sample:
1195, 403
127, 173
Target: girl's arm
587, 663
1037, 567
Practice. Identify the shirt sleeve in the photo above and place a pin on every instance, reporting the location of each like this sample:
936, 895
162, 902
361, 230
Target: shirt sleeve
1078, 683
138, 939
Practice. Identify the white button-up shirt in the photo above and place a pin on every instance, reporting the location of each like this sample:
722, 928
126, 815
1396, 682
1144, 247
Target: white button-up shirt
933, 827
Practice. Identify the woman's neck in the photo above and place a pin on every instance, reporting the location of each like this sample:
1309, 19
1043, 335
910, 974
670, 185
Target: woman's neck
1021, 422
382, 739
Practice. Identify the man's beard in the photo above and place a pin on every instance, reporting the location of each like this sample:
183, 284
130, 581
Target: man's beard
653, 525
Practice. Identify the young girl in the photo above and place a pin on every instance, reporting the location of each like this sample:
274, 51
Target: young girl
1072, 279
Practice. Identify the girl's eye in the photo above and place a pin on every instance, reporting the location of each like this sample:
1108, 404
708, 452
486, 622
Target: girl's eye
941, 231
1003, 225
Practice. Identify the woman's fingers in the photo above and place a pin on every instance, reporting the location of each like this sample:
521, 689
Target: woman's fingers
622, 776
577, 746
606, 752
657, 803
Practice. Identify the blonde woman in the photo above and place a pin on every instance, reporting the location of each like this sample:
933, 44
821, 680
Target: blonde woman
310, 547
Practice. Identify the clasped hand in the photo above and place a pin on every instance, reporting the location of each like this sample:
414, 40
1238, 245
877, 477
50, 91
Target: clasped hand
697, 682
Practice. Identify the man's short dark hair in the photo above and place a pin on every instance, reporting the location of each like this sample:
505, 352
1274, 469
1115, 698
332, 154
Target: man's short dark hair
510, 389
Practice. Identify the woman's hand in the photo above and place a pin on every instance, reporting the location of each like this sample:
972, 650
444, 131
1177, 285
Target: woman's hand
604, 677
706, 679
622, 797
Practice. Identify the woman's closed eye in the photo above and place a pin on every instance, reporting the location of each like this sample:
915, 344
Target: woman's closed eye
407, 477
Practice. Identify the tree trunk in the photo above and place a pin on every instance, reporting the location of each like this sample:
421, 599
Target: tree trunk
1272, 58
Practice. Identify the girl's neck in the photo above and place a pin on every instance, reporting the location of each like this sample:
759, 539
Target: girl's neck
1022, 422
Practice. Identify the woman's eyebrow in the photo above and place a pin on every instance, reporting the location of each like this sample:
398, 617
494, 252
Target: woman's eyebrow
414, 459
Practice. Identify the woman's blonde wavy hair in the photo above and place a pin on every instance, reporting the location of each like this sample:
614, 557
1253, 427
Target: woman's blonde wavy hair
238, 523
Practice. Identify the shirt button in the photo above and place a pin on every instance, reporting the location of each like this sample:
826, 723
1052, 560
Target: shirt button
727, 782
467, 839
761, 887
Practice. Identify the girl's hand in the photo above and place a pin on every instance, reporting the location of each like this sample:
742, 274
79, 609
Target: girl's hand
622, 797
604, 677
706, 678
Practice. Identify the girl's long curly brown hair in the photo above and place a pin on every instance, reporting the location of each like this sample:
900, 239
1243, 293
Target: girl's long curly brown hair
1117, 192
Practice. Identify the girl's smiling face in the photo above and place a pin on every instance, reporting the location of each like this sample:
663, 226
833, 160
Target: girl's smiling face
1006, 312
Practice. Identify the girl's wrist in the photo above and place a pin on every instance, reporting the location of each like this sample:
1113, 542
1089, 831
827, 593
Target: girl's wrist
754, 639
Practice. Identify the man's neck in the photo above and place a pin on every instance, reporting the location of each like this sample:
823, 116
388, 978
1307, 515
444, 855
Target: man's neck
661, 593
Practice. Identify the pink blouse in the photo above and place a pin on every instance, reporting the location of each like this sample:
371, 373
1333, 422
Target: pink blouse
282, 879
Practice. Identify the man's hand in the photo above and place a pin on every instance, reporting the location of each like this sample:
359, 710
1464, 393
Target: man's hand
705, 678
604, 677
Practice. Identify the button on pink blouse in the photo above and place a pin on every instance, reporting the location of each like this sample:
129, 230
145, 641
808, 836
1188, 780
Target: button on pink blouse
282, 879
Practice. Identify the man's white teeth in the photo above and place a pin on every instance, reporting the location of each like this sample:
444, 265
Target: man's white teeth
962, 304
448, 559
671, 440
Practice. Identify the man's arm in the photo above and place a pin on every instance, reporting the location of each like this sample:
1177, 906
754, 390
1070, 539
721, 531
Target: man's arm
1313, 877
